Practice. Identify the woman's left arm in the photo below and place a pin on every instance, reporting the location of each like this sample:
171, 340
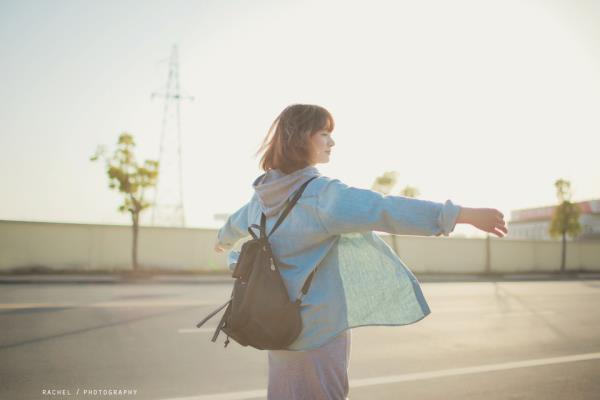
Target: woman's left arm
234, 229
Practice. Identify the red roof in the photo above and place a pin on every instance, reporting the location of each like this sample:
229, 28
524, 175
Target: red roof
545, 213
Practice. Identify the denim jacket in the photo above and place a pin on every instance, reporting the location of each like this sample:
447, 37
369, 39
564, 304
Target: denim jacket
359, 279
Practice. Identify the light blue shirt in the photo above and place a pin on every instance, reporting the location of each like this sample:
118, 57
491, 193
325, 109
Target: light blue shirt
359, 280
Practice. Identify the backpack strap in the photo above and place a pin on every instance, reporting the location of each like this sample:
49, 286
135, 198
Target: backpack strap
288, 208
212, 314
306, 286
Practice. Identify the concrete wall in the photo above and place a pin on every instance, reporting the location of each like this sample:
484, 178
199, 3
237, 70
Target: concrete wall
108, 247
104, 247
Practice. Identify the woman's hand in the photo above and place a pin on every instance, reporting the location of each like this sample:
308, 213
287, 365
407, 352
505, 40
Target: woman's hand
486, 219
219, 248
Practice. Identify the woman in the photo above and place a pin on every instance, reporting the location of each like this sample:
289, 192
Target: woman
359, 280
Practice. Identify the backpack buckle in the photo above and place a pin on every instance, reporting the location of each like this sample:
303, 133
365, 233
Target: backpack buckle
299, 299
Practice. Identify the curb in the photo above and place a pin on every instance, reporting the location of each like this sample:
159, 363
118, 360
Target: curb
225, 279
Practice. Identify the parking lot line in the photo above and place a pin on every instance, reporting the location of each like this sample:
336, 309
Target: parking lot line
109, 304
197, 330
253, 394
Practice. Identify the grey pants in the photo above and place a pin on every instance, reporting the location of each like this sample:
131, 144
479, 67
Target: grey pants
317, 374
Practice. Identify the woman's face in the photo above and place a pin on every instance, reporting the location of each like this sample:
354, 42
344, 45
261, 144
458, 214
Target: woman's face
321, 144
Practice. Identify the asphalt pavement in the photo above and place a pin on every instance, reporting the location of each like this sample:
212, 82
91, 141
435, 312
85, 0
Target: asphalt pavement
492, 340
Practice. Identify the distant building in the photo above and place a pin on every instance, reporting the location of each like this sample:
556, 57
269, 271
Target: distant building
534, 223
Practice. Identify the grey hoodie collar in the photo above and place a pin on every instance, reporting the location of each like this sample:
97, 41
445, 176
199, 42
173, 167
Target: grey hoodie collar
273, 188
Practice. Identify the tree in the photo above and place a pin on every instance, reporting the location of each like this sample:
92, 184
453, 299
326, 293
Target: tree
565, 219
130, 179
385, 183
410, 191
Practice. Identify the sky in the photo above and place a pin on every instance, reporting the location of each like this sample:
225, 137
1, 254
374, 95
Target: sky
486, 103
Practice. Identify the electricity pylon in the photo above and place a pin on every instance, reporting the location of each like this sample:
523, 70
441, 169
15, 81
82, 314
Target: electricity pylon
168, 196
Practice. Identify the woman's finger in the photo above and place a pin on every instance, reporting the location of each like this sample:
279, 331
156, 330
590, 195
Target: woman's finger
497, 233
501, 229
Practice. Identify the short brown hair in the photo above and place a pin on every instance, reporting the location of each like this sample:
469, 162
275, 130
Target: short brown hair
287, 141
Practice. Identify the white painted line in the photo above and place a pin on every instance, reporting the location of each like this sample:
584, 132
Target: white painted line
16, 306
494, 315
517, 314
177, 303
248, 394
197, 330
157, 303
252, 394
108, 304
474, 370
483, 311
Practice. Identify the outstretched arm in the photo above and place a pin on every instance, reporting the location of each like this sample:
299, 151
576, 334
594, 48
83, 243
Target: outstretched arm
343, 209
486, 219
